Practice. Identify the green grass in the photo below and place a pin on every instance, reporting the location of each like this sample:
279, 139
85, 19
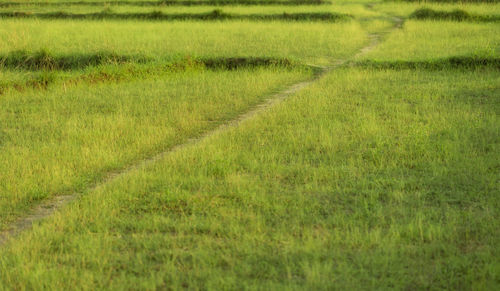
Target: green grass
454, 15
454, 2
86, 58
165, 2
41, 70
45, 60
357, 10
463, 63
214, 15
382, 174
404, 9
356, 183
67, 138
304, 42
431, 40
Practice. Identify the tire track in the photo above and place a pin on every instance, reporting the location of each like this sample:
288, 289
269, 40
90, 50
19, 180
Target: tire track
50, 206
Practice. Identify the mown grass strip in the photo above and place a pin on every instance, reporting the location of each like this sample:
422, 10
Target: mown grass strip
456, 62
173, 3
454, 15
216, 14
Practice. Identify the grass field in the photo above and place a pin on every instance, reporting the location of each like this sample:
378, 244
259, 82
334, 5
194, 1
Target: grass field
428, 40
307, 42
358, 154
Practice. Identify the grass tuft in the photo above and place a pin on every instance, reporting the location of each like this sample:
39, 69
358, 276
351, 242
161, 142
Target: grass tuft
236, 63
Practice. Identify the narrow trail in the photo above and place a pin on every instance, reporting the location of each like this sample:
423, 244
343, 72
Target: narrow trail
51, 205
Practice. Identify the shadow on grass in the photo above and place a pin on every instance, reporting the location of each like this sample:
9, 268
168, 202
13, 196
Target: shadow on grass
454, 15
44, 60
109, 67
457, 62
173, 3
445, 1
216, 14
236, 63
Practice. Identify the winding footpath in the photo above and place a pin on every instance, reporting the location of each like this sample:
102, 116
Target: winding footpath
51, 205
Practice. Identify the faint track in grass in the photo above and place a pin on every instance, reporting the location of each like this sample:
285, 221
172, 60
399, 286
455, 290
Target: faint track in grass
51, 205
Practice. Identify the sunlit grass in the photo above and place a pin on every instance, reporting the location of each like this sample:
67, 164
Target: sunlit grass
357, 10
427, 40
383, 174
306, 42
369, 179
60, 140
64, 142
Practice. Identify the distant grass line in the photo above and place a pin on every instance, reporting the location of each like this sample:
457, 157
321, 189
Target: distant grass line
446, 1
216, 14
455, 15
110, 67
173, 3
456, 62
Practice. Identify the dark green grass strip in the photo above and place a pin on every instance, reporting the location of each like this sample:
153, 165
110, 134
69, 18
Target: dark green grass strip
446, 1
236, 63
158, 15
45, 60
173, 3
457, 62
108, 67
454, 15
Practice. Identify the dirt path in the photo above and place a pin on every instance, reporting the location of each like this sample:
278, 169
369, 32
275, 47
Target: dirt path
51, 205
